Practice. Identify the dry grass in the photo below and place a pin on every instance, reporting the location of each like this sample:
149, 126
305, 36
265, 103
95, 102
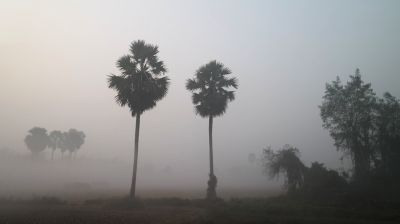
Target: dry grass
177, 210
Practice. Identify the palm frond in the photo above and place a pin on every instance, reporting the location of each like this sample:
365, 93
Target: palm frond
192, 84
125, 65
141, 83
210, 89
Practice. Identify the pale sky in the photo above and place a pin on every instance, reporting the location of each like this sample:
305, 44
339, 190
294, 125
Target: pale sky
55, 57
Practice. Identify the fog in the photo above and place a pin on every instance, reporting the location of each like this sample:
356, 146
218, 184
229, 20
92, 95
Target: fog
55, 57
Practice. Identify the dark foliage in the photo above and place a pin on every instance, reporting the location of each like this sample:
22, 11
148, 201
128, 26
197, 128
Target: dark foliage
347, 111
210, 88
323, 184
365, 127
285, 161
142, 82
37, 140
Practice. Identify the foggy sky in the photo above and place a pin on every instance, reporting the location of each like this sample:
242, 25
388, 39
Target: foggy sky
55, 57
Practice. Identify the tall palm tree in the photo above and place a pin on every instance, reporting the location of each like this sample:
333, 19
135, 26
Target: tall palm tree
139, 86
211, 88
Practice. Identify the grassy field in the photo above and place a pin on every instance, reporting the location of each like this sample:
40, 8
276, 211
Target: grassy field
175, 210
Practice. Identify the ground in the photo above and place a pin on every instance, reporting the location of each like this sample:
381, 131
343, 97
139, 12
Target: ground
175, 210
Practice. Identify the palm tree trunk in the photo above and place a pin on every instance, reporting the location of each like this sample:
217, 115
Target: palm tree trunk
212, 181
210, 124
135, 161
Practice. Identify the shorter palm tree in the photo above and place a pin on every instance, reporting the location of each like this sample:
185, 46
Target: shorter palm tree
211, 94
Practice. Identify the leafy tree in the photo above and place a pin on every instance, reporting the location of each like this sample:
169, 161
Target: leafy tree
286, 161
388, 134
347, 111
211, 93
319, 182
140, 86
55, 141
37, 140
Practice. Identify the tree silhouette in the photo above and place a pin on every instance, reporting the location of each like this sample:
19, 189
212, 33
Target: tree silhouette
64, 143
322, 183
388, 135
55, 141
37, 140
347, 111
285, 160
139, 86
210, 88
73, 140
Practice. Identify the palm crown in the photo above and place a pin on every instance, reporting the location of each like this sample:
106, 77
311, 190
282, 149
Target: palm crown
141, 83
210, 89
55, 138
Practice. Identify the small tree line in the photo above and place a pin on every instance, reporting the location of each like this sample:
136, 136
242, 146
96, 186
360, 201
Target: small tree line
363, 126
68, 141
366, 128
315, 181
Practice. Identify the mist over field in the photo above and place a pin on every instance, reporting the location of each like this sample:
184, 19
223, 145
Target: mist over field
85, 178
236, 100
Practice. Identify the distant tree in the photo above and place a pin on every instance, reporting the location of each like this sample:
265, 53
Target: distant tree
140, 86
388, 134
285, 161
64, 143
73, 140
37, 140
210, 88
55, 141
347, 111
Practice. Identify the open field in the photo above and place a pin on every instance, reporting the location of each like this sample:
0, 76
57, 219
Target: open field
175, 210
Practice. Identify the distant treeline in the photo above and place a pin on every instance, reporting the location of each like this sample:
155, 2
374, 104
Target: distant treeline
38, 140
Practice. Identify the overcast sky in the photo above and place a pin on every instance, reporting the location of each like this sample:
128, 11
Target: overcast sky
55, 57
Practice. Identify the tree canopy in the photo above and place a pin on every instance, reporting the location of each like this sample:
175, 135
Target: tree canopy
142, 82
37, 140
211, 89
347, 111
285, 161
363, 126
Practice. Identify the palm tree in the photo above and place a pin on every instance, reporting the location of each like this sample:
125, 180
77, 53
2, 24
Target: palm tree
64, 143
210, 88
74, 140
139, 86
55, 138
37, 140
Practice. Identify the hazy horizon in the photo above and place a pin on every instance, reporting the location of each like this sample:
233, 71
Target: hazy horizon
55, 57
